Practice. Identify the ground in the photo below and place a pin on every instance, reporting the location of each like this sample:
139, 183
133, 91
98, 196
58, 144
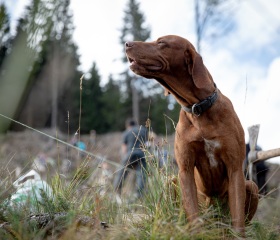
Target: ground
19, 149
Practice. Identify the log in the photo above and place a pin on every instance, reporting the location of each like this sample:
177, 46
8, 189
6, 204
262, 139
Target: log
264, 155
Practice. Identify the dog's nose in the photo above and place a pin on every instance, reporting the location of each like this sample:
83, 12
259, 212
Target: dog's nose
128, 44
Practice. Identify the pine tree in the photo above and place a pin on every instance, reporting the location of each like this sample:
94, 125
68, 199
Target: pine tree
113, 110
138, 89
92, 118
13, 84
5, 36
69, 104
49, 28
133, 29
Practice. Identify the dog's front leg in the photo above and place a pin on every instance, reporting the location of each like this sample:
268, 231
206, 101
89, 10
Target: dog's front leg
184, 149
189, 192
237, 196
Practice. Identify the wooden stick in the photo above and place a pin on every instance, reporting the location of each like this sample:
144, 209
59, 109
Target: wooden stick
253, 137
264, 155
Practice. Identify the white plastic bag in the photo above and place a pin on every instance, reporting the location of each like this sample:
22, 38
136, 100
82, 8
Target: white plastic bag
29, 188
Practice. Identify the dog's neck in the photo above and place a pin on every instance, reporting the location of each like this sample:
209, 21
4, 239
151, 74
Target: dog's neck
200, 107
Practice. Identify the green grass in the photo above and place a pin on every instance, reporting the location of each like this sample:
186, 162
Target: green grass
76, 209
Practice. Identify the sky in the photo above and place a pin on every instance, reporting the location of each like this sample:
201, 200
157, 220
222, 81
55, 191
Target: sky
245, 63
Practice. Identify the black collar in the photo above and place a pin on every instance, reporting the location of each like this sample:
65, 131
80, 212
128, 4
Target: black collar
199, 108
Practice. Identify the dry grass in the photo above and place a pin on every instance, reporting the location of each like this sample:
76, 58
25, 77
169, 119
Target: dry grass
86, 204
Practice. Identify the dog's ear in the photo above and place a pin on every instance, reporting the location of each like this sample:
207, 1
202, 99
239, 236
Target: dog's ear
197, 69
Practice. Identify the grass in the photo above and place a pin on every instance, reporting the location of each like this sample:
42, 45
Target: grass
81, 207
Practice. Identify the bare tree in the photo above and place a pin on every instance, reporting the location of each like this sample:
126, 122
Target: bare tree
213, 18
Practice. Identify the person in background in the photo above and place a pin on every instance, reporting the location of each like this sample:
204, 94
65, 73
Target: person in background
134, 138
79, 144
259, 173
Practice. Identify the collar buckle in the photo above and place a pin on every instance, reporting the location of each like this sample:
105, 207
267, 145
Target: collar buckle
196, 110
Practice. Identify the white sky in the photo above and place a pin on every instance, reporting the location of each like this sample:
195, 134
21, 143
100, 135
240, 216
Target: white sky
245, 64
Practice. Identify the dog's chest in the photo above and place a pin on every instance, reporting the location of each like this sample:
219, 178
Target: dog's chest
210, 146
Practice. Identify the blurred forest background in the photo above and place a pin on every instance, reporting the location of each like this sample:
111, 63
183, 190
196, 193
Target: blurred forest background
41, 84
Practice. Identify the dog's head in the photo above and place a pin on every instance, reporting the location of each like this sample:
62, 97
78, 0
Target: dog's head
172, 61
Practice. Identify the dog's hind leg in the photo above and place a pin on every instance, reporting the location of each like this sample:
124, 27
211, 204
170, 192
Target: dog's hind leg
252, 200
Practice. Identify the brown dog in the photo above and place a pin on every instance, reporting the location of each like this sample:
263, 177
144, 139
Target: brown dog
209, 142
